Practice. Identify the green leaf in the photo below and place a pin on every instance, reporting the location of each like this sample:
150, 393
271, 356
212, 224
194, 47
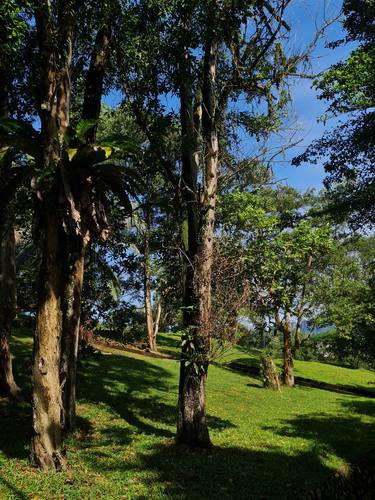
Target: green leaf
83, 126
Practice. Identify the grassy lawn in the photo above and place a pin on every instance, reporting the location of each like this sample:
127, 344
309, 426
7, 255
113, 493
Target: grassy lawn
267, 445
322, 372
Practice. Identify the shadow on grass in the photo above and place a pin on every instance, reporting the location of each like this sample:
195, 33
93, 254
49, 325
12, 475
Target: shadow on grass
135, 390
268, 473
16, 493
138, 391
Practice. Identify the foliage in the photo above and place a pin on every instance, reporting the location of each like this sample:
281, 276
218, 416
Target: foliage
345, 298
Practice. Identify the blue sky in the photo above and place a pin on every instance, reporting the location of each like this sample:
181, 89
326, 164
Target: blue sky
305, 17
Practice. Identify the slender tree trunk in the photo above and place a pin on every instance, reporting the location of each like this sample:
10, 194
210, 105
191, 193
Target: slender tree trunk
70, 338
192, 426
297, 335
157, 320
8, 386
288, 372
78, 244
8, 288
147, 280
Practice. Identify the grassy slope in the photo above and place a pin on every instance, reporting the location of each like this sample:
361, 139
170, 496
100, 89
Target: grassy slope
267, 445
322, 372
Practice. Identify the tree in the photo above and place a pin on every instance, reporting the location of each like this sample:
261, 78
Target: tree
10, 40
343, 301
283, 252
348, 152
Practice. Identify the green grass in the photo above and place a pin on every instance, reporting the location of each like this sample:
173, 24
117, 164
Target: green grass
267, 445
322, 372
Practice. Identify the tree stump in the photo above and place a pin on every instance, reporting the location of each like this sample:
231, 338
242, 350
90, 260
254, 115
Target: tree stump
269, 373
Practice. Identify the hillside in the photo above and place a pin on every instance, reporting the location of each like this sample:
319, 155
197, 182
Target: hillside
267, 445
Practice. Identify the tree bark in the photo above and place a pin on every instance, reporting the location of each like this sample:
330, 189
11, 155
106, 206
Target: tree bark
288, 372
192, 426
46, 401
55, 48
8, 387
157, 320
297, 335
71, 324
8, 290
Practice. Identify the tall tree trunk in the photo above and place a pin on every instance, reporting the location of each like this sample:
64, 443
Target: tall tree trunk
78, 244
55, 62
192, 426
157, 320
8, 299
298, 336
8, 386
71, 324
288, 372
147, 279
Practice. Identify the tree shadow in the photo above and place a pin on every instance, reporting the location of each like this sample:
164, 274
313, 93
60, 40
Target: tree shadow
15, 425
16, 493
135, 390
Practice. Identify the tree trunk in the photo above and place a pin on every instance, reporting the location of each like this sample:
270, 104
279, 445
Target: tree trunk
288, 373
70, 338
269, 373
157, 320
8, 386
192, 422
147, 280
55, 62
8, 288
77, 244
297, 335
46, 401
